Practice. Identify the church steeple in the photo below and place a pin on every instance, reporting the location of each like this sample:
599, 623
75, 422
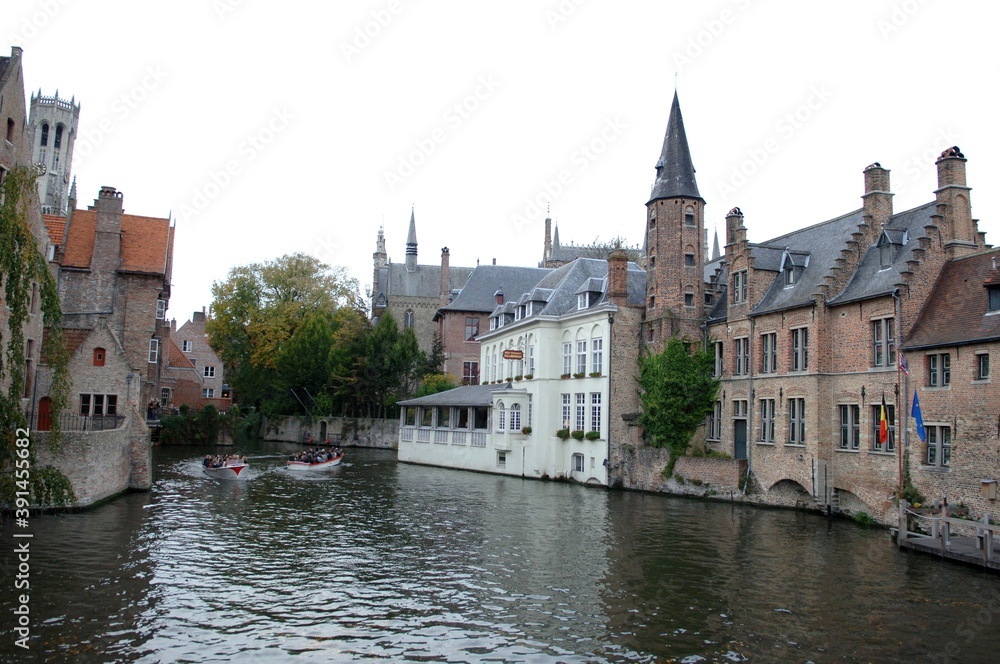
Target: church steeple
674, 169
411, 244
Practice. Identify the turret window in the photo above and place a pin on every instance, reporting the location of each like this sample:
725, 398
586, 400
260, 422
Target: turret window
45, 134
58, 142
689, 216
408, 318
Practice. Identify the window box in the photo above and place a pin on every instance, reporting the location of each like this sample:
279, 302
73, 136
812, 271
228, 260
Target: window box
578, 434
579, 375
526, 431
518, 378
562, 434
565, 376
593, 435
595, 374
528, 376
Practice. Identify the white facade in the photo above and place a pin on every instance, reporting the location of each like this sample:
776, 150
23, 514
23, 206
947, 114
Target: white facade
526, 403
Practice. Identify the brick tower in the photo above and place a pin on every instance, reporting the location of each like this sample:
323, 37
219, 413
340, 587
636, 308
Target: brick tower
675, 232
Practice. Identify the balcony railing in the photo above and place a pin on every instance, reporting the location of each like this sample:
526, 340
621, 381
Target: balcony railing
73, 422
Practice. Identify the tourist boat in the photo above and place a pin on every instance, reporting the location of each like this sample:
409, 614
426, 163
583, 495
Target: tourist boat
236, 471
316, 465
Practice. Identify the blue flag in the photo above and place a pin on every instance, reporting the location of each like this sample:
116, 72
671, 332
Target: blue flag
915, 414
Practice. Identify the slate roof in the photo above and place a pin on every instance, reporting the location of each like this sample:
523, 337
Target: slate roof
4, 61
466, 395
956, 311
822, 242
562, 285
674, 169
394, 280
147, 243
870, 279
479, 291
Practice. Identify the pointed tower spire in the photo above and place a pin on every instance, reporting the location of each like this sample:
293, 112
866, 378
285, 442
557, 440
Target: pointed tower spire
674, 169
715, 246
555, 237
411, 244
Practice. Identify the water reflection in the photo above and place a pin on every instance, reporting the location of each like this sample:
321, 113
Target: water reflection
400, 562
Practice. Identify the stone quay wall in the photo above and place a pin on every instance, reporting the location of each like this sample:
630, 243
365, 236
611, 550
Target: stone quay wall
344, 431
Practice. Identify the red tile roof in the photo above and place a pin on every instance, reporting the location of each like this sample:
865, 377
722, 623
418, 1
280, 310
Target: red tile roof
147, 243
56, 226
177, 358
956, 311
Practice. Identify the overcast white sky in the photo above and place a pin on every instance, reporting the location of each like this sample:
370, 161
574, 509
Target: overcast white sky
267, 128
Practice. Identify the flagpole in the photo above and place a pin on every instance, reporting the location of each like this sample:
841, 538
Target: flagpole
906, 427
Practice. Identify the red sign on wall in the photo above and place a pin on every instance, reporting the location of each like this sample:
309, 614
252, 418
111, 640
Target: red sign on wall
510, 354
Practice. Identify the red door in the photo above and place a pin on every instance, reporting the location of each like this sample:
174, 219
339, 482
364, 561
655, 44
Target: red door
45, 414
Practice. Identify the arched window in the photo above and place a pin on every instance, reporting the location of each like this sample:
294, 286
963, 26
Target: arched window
45, 134
515, 417
501, 416
99, 355
59, 132
689, 216
408, 318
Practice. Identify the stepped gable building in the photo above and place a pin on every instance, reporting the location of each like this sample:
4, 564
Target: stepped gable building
15, 151
466, 317
413, 292
806, 342
114, 286
53, 124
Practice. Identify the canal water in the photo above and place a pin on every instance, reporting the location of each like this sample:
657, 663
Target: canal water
394, 562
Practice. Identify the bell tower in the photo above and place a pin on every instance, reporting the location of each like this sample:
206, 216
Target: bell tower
675, 237
52, 129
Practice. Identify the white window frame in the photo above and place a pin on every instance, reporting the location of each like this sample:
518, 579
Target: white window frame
850, 427
581, 356
161, 309
939, 370
597, 355
581, 412
154, 351
884, 342
595, 411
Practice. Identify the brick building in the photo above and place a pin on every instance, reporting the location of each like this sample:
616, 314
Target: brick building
414, 292
15, 151
195, 375
114, 285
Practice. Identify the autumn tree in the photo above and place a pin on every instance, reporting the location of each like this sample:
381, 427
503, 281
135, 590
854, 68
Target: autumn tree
678, 392
258, 309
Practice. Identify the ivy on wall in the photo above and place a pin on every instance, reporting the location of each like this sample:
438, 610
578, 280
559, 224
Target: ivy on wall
22, 266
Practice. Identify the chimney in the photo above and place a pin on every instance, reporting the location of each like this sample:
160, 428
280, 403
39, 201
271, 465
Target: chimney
877, 200
957, 225
734, 224
618, 277
499, 296
445, 276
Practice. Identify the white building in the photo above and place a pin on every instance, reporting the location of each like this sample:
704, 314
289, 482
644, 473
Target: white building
542, 410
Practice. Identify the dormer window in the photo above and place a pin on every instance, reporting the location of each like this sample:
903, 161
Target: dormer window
993, 293
582, 300
789, 274
493, 323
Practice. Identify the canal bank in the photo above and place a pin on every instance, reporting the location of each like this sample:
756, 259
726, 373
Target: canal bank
412, 563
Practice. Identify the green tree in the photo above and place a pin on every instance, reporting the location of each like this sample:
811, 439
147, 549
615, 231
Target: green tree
22, 266
434, 383
435, 361
390, 367
677, 392
259, 307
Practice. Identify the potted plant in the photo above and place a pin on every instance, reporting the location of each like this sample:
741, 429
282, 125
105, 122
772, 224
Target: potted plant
565, 376
526, 430
595, 374
518, 378
528, 376
578, 434
579, 375
509, 379
562, 434
593, 435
